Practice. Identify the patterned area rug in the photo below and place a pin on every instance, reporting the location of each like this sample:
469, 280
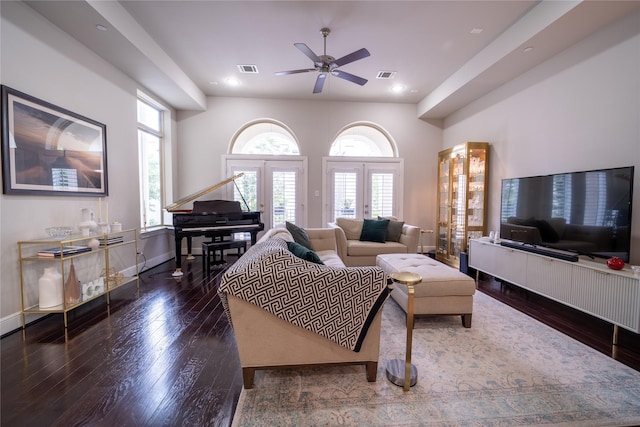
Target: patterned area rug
507, 370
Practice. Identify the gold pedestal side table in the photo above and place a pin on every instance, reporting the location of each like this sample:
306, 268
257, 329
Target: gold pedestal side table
402, 372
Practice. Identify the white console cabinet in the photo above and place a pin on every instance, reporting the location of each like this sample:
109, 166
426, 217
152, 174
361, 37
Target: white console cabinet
586, 285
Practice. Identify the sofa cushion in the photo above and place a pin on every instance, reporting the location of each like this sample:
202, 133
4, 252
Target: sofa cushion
361, 248
303, 252
394, 231
558, 224
547, 232
299, 235
352, 227
374, 230
330, 258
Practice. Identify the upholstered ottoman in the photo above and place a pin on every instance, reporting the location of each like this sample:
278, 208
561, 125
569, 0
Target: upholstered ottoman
443, 290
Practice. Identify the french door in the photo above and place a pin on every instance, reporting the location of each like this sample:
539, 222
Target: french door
276, 187
362, 189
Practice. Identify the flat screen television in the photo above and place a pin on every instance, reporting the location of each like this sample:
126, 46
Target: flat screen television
587, 213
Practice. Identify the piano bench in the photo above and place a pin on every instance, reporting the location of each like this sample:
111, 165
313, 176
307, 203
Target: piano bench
210, 251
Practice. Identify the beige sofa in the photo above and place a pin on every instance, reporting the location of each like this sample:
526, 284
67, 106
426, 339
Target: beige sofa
355, 252
266, 340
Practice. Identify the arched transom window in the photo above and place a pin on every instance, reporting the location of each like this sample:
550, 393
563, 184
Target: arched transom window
265, 136
363, 140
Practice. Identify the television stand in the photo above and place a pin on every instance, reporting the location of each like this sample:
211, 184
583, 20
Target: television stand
588, 286
554, 253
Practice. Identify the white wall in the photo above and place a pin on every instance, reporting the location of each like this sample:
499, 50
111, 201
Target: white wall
42, 61
205, 136
578, 111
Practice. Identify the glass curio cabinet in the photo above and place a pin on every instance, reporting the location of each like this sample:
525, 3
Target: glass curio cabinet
462, 199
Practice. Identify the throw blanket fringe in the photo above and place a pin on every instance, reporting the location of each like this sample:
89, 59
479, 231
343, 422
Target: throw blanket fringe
336, 303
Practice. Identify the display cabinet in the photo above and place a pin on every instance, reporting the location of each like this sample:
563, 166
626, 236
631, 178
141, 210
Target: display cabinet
462, 199
59, 274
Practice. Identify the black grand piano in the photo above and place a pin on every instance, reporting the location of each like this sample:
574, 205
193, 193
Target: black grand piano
216, 219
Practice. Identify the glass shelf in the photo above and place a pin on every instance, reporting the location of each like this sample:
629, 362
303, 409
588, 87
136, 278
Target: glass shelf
98, 265
462, 198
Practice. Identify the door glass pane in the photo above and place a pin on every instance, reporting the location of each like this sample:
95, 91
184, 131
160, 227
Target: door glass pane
248, 185
381, 194
284, 197
344, 195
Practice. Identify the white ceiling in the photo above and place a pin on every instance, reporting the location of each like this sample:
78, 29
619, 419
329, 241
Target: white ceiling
185, 50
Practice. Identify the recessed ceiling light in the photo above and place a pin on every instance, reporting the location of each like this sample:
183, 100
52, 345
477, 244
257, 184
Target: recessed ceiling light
397, 88
476, 30
101, 27
527, 49
232, 81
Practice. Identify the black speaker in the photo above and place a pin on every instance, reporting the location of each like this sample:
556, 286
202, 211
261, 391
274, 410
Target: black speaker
464, 265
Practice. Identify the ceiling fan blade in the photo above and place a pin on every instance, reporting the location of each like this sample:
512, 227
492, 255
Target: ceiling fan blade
305, 49
354, 56
319, 83
350, 77
284, 73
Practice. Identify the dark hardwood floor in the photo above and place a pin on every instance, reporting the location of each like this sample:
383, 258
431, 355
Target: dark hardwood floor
165, 355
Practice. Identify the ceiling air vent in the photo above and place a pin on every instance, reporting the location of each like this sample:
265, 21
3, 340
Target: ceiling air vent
248, 69
386, 74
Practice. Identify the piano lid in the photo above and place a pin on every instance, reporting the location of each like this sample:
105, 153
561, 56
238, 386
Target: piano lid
191, 197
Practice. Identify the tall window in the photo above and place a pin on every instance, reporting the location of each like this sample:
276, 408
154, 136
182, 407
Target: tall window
150, 139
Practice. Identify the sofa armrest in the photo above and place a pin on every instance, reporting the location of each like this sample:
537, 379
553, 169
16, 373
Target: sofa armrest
341, 240
322, 239
410, 237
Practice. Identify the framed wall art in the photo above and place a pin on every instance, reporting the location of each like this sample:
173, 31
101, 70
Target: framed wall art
49, 150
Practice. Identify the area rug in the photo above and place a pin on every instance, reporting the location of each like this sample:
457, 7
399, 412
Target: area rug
507, 370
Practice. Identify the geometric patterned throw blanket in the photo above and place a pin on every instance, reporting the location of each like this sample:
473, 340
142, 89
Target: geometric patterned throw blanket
336, 303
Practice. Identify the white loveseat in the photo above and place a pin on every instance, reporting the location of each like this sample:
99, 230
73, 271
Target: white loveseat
355, 252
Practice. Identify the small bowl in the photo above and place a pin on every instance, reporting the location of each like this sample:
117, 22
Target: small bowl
59, 231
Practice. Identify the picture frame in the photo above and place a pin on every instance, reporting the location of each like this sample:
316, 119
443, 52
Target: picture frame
48, 150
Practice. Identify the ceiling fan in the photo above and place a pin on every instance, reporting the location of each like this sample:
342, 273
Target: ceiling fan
326, 64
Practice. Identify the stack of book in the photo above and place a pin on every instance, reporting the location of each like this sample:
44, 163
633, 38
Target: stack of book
111, 240
60, 251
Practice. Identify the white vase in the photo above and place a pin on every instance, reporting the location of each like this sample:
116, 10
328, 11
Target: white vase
50, 288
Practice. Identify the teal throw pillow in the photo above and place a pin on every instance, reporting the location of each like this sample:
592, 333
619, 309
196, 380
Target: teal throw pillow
394, 231
299, 235
304, 253
374, 230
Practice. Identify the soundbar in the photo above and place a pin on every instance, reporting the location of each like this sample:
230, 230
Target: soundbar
565, 256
